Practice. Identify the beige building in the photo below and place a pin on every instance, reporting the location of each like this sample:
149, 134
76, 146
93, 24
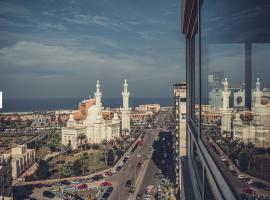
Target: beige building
6, 179
148, 107
22, 159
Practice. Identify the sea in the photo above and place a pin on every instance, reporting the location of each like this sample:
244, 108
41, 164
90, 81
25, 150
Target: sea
52, 104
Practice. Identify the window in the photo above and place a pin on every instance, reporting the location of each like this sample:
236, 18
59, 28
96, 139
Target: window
235, 84
195, 76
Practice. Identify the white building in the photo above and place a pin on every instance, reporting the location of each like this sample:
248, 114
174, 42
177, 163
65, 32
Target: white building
94, 127
225, 111
256, 131
125, 110
22, 159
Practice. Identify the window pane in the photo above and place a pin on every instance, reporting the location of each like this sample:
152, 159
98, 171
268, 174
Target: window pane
235, 85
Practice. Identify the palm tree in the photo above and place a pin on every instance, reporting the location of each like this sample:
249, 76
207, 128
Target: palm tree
81, 137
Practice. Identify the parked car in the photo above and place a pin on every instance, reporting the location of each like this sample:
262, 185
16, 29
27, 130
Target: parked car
105, 184
118, 168
249, 191
70, 188
75, 182
83, 187
109, 189
65, 182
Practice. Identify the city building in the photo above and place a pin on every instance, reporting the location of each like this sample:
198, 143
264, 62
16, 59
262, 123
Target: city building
95, 127
232, 38
6, 177
179, 130
22, 159
148, 107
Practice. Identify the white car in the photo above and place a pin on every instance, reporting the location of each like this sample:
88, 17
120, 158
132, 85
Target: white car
241, 176
138, 155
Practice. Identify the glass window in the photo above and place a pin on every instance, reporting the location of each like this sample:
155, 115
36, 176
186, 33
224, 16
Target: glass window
235, 84
195, 77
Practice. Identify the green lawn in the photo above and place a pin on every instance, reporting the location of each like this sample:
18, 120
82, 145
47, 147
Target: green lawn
95, 162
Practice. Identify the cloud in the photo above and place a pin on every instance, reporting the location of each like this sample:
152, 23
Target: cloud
41, 59
52, 27
8, 8
98, 20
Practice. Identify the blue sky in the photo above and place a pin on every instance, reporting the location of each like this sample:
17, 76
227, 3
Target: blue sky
59, 48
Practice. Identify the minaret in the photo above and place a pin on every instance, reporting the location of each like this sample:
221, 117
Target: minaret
225, 111
98, 95
125, 110
257, 94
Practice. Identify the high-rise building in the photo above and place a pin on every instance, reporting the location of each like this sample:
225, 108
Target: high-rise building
232, 38
179, 129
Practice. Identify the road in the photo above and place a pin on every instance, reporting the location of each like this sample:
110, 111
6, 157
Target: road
162, 159
130, 171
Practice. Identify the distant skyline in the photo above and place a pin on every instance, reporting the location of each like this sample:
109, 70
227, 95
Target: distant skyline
59, 48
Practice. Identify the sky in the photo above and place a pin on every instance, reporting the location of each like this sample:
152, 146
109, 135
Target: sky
60, 48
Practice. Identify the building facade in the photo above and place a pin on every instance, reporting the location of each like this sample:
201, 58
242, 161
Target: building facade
6, 177
179, 130
93, 127
22, 159
232, 38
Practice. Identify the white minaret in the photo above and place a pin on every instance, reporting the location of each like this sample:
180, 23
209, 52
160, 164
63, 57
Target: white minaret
98, 95
125, 110
257, 94
225, 111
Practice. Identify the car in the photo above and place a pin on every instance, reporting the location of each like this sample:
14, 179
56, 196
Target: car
75, 182
105, 184
244, 196
39, 185
234, 173
125, 159
241, 176
139, 164
249, 191
109, 189
139, 196
48, 194
138, 155
70, 188
56, 189
106, 195
65, 182
128, 183
109, 173
97, 177
118, 168
83, 187
48, 185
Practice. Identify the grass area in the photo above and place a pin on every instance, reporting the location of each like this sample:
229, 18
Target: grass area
95, 161
261, 167
42, 152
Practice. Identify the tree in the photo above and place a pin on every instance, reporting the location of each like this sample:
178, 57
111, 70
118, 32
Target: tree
77, 167
84, 162
81, 137
67, 169
42, 169
110, 157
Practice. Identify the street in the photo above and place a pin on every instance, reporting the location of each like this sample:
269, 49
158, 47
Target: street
130, 171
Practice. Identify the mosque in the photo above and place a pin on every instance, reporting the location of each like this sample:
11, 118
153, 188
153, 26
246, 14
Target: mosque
256, 130
94, 126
